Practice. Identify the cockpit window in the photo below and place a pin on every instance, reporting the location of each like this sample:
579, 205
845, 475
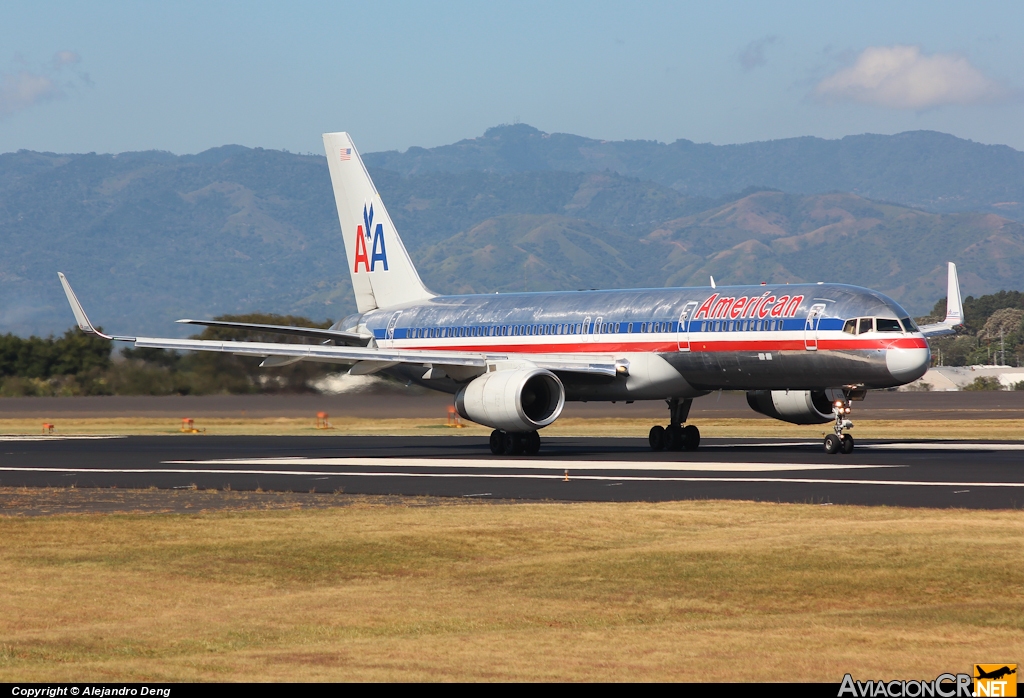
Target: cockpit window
884, 324
865, 325
909, 325
850, 327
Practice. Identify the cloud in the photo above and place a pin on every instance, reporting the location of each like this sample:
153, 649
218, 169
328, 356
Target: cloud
752, 56
901, 77
65, 58
26, 88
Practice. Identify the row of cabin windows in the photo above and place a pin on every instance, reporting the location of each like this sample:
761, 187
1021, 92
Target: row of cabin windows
863, 325
740, 325
602, 328
495, 331
537, 330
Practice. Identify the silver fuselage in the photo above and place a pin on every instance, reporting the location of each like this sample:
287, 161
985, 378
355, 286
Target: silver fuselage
676, 342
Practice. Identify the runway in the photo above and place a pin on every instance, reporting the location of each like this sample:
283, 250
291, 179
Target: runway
933, 474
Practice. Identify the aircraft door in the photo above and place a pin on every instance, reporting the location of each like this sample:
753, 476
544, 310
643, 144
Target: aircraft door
587, 327
684, 325
389, 335
811, 326
596, 330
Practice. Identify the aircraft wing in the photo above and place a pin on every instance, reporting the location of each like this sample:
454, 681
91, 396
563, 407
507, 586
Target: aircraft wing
954, 309
376, 358
351, 355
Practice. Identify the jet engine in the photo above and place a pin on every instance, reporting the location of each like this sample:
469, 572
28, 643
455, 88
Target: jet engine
794, 406
516, 400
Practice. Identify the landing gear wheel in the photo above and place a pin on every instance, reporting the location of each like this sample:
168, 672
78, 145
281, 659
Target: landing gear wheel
847, 446
674, 437
497, 442
531, 443
657, 438
832, 444
513, 444
691, 437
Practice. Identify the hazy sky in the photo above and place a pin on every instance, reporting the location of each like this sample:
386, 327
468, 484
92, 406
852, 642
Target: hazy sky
112, 77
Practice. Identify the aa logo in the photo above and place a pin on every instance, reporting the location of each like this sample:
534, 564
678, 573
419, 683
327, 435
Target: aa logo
378, 253
995, 680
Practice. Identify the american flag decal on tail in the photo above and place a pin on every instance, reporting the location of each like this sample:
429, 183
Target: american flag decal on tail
346, 154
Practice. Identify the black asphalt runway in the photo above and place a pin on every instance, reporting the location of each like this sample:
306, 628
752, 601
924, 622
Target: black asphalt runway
912, 473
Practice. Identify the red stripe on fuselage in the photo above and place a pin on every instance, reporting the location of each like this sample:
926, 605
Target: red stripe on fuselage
669, 346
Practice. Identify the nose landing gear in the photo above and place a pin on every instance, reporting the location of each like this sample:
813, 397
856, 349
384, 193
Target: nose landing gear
675, 437
840, 442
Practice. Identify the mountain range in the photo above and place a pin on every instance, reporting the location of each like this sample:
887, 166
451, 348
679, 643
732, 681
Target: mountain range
150, 237
922, 169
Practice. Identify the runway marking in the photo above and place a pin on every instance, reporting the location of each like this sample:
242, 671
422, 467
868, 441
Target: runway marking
58, 437
944, 446
899, 446
519, 476
530, 464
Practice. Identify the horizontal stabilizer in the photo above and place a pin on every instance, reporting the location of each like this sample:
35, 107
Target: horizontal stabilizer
349, 338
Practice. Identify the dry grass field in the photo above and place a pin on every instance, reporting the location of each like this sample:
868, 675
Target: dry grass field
970, 429
449, 590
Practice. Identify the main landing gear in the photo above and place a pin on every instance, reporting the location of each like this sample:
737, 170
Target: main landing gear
515, 443
840, 442
675, 437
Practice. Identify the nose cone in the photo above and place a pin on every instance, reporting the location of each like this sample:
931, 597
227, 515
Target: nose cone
909, 364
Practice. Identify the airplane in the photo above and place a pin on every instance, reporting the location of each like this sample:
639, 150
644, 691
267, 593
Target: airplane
995, 674
802, 352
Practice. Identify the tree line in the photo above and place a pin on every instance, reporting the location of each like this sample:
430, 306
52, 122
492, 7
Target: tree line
77, 363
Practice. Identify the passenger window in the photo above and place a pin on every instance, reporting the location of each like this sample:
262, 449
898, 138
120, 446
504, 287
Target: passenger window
884, 324
850, 327
865, 325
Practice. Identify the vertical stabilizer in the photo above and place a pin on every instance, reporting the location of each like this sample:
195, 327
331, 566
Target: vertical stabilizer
383, 275
954, 308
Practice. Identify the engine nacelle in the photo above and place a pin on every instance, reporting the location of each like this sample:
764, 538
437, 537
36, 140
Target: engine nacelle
515, 400
794, 406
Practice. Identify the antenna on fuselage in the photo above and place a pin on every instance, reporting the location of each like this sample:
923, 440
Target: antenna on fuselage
713, 282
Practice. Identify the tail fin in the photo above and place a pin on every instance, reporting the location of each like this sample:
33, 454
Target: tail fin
954, 308
383, 275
